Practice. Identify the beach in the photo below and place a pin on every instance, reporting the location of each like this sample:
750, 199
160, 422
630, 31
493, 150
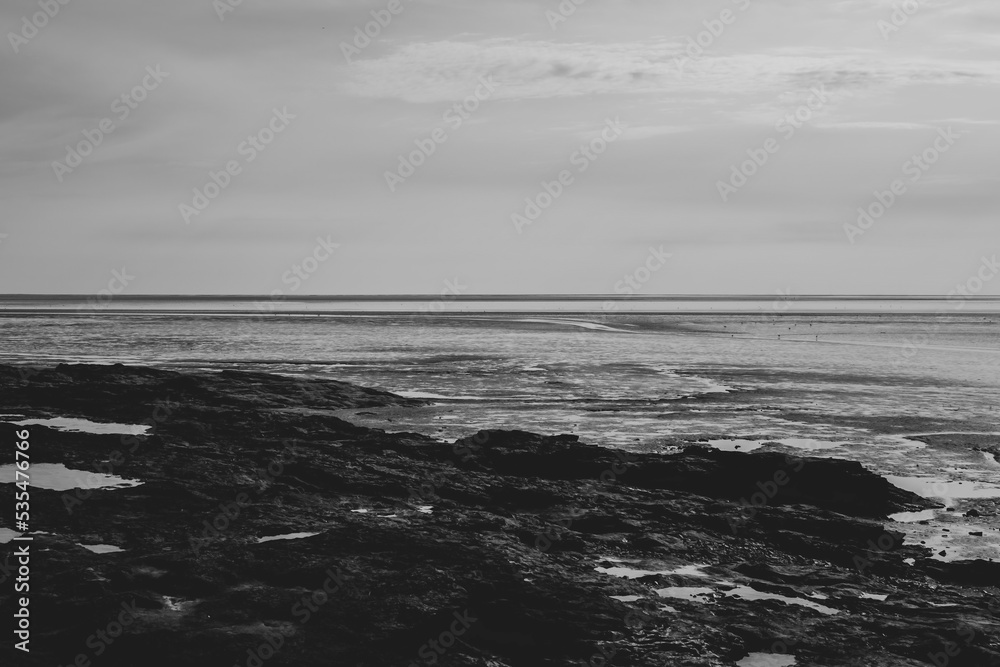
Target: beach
638, 489
243, 522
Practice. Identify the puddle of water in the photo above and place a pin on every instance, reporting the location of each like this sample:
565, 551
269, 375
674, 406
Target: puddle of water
425, 509
738, 445
947, 537
956, 542
742, 592
684, 592
57, 477
287, 536
933, 487
913, 517
633, 573
735, 445
361, 511
8, 535
747, 593
626, 598
874, 596
101, 548
86, 426
689, 571
767, 660
626, 572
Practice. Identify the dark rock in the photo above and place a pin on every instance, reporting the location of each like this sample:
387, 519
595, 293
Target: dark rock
517, 524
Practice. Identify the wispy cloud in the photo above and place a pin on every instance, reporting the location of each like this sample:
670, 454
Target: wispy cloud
444, 70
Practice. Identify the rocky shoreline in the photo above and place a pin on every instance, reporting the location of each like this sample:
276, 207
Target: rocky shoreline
503, 549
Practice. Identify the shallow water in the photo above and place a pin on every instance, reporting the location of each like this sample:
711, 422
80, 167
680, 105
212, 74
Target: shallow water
947, 491
874, 596
703, 593
57, 477
633, 573
747, 593
808, 444
286, 536
913, 517
833, 385
735, 445
613, 383
102, 548
7, 535
767, 660
74, 425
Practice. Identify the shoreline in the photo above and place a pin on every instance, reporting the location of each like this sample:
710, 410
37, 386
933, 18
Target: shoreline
718, 554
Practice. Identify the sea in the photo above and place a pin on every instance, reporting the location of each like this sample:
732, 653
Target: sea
906, 386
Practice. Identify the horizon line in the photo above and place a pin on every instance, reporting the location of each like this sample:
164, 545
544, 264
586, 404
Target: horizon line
505, 297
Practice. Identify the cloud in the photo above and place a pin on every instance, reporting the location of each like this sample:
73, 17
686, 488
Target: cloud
449, 70
634, 133
873, 125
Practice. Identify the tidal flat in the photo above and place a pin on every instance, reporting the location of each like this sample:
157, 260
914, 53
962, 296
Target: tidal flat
500, 548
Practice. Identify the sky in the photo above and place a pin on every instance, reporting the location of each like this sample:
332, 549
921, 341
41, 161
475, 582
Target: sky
721, 147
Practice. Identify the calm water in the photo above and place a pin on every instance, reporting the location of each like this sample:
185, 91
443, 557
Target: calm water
860, 386
613, 379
